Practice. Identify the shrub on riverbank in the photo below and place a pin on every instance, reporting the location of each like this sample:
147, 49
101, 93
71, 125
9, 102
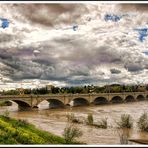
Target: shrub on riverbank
14, 131
143, 122
71, 132
126, 121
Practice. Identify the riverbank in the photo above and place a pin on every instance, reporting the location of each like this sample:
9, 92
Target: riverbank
14, 131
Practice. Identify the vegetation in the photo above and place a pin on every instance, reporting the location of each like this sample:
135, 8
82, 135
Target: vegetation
81, 89
71, 118
14, 131
143, 122
124, 136
126, 121
102, 123
6, 113
90, 120
70, 133
5, 103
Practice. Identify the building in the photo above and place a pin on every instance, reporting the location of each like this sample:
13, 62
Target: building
20, 90
49, 87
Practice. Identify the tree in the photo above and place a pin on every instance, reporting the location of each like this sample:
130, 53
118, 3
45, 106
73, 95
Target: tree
55, 90
70, 133
27, 91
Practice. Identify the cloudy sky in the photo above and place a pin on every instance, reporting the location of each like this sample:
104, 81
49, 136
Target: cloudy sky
40, 45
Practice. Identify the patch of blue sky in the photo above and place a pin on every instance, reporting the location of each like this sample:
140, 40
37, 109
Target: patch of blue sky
146, 53
75, 27
142, 33
4, 23
114, 18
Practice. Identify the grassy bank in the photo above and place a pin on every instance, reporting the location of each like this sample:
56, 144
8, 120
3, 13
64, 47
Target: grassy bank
14, 131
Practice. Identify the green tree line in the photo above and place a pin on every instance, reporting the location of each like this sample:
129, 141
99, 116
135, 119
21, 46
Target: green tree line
114, 88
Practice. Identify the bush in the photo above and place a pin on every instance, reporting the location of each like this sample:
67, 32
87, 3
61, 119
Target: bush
143, 122
102, 123
70, 133
123, 137
21, 123
125, 122
71, 118
6, 114
90, 119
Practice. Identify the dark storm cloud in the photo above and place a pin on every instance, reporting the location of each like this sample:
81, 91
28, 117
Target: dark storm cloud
14, 64
81, 82
47, 14
43, 61
134, 67
79, 72
24, 75
23, 52
146, 66
6, 71
134, 7
26, 70
6, 38
115, 71
50, 67
16, 68
4, 55
91, 56
53, 78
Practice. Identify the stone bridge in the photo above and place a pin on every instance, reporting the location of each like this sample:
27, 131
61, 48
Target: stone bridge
61, 100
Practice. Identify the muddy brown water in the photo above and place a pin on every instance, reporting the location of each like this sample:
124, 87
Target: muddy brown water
55, 120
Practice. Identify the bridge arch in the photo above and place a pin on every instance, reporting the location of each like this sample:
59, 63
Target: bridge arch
129, 98
22, 105
100, 100
79, 102
140, 98
55, 103
116, 99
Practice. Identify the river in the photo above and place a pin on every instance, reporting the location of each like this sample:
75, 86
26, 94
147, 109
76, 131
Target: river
55, 120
